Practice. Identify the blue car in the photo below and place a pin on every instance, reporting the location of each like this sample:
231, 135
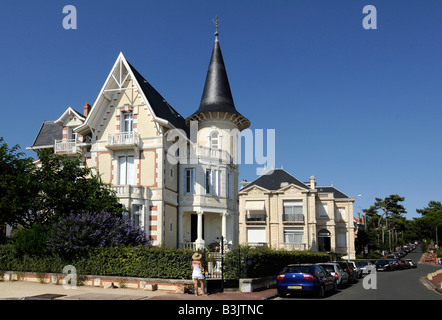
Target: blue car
305, 278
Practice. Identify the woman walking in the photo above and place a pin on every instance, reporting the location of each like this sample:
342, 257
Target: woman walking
197, 273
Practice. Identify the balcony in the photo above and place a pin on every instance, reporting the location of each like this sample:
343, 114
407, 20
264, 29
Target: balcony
130, 192
293, 217
295, 246
256, 218
123, 140
67, 147
210, 154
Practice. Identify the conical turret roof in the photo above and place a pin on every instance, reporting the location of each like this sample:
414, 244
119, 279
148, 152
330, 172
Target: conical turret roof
217, 96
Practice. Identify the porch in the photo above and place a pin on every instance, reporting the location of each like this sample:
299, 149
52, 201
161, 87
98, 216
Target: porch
205, 229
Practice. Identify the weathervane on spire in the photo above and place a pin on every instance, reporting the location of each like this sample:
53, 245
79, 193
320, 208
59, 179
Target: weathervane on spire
216, 23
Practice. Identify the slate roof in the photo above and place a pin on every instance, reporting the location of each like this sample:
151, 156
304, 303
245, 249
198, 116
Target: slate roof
272, 180
217, 96
49, 132
336, 193
160, 106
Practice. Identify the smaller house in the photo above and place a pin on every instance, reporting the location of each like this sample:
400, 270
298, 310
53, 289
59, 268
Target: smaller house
280, 211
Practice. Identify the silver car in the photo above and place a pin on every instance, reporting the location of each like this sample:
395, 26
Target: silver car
336, 271
357, 268
366, 266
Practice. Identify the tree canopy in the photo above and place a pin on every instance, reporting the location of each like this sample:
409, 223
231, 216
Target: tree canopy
42, 191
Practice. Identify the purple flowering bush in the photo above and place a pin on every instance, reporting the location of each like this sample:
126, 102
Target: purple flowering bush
77, 233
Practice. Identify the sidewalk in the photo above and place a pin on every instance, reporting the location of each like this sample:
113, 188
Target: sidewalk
21, 290
436, 280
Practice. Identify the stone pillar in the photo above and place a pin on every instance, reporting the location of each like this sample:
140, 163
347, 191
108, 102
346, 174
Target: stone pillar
199, 242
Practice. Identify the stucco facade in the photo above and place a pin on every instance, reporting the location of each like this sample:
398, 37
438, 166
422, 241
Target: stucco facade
129, 137
279, 211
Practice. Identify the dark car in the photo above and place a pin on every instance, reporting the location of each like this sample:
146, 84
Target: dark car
305, 278
352, 276
384, 264
396, 264
405, 264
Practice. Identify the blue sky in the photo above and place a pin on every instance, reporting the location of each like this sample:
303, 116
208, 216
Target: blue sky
359, 109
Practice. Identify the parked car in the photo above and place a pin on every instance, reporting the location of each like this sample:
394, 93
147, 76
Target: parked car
342, 277
305, 278
384, 265
347, 268
397, 264
412, 263
405, 264
366, 266
356, 268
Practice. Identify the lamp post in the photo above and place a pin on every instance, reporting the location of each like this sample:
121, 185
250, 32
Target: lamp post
350, 220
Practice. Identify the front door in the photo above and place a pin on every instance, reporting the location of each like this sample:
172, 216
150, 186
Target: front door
324, 243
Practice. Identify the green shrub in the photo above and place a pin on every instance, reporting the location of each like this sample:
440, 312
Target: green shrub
140, 261
31, 241
146, 262
250, 262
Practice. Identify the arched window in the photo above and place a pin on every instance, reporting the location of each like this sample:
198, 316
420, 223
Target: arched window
214, 139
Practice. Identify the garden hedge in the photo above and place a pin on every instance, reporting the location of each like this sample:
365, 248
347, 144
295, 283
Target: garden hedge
250, 262
157, 262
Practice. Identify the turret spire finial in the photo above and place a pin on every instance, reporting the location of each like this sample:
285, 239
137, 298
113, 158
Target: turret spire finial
216, 23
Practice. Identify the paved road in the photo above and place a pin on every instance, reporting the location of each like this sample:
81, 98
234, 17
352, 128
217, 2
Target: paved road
395, 285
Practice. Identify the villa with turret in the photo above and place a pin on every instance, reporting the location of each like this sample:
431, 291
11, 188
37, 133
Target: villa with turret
178, 178
127, 136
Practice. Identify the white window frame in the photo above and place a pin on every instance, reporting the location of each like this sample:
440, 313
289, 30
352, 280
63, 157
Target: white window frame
294, 207
127, 123
256, 235
294, 235
341, 240
137, 215
126, 170
214, 142
212, 182
340, 214
189, 181
323, 209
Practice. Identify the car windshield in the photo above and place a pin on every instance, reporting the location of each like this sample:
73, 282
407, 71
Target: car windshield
363, 263
296, 269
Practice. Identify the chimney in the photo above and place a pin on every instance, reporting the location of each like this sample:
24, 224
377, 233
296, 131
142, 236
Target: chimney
86, 109
244, 183
312, 182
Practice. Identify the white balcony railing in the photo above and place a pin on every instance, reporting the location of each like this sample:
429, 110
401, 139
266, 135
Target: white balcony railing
214, 153
66, 146
128, 191
295, 246
123, 139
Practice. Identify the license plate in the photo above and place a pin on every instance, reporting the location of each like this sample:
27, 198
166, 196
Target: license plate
295, 287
